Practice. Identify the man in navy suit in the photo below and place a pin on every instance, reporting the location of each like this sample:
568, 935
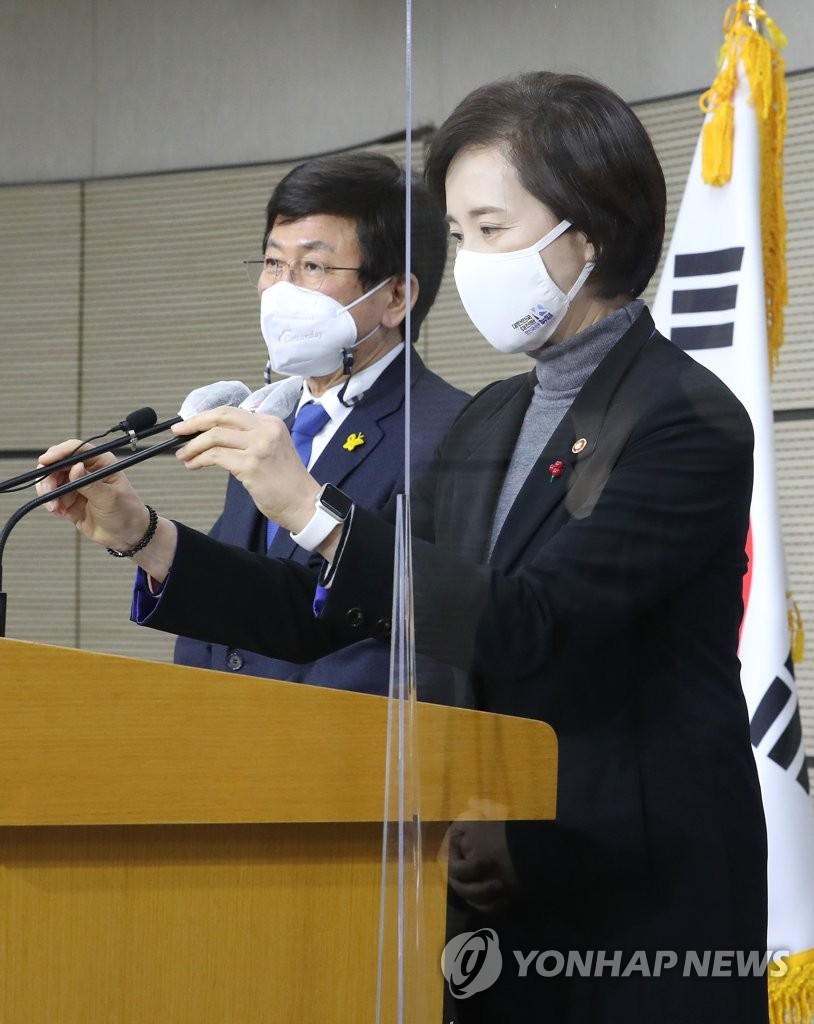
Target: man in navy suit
335, 227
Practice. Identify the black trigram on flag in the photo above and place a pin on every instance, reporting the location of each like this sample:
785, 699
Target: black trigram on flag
705, 298
779, 702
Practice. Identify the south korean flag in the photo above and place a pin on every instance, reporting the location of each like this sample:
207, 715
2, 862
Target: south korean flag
710, 301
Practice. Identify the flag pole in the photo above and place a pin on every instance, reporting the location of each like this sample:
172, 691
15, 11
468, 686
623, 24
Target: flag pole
733, 202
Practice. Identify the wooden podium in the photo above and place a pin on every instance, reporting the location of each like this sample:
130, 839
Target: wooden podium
186, 847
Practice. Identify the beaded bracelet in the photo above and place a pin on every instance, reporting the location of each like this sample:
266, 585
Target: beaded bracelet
145, 540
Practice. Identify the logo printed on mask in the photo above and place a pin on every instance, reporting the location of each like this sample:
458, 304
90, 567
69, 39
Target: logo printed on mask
306, 331
288, 336
537, 318
510, 296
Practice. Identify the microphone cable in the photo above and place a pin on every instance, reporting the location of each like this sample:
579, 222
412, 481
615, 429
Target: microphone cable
133, 424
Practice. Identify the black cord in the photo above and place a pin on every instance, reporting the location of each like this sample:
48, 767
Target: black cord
347, 369
46, 471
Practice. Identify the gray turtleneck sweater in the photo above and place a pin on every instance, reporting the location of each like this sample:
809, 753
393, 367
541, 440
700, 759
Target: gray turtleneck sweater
562, 369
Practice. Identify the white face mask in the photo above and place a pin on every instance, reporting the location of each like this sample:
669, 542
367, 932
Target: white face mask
510, 296
306, 331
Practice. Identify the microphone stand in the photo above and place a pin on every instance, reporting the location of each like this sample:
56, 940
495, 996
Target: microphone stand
100, 449
74, 485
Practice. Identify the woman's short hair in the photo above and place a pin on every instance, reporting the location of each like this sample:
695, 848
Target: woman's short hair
578, 148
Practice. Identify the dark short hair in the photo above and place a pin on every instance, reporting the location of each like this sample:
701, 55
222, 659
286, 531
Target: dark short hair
370, 189
579, 149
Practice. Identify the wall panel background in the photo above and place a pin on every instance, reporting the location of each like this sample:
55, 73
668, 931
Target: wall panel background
40, 391
121, 292
103, 87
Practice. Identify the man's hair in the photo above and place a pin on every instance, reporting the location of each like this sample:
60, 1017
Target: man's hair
370, 189
578, 148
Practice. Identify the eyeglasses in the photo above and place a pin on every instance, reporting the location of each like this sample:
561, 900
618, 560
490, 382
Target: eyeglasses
304, 271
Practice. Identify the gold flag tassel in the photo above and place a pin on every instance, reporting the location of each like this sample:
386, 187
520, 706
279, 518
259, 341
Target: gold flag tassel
796, 633
791, 995
758, 52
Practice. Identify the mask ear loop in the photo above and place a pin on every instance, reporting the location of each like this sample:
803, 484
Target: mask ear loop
553, 235
347, 353
347, 369
368, 293
583, 276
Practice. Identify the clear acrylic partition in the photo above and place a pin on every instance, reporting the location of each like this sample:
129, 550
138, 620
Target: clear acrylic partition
464, 786
484, 788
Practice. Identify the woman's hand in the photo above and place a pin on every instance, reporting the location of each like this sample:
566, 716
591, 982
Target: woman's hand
258, 451
480, 868
109, 512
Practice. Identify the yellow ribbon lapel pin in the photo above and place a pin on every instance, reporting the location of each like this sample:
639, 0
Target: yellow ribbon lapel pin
353, 441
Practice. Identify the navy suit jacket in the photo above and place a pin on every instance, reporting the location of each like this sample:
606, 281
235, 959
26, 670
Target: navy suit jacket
370, 474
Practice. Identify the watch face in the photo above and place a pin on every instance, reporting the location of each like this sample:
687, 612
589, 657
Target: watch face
335, 502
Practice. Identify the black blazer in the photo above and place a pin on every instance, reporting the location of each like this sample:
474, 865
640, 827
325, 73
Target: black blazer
370, 473
610, 608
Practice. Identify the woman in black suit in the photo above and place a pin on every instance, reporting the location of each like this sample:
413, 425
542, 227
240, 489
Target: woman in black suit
578, 553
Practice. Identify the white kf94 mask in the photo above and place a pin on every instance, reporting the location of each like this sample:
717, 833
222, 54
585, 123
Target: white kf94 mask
306, 331
510, 297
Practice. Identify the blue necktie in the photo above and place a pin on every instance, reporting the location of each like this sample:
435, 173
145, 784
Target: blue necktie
311, 418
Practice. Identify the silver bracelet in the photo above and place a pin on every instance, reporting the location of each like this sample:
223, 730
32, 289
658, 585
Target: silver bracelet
145, 540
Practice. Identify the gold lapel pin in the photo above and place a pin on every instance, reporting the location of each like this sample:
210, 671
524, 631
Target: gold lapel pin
578, 446
353, 441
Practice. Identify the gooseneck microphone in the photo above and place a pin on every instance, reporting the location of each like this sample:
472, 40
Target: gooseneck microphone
223, 393
137, 425
75, 485
137, 421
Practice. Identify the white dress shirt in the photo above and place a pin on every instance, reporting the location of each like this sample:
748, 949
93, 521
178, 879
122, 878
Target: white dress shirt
357, 385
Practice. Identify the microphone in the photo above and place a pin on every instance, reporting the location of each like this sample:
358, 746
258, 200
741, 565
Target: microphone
140, 419
222, 392
136, 424
73, 485
141, 424
276, 399
209, 397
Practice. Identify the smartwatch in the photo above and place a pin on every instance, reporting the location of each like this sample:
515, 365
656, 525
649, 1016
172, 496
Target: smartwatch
332, 509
